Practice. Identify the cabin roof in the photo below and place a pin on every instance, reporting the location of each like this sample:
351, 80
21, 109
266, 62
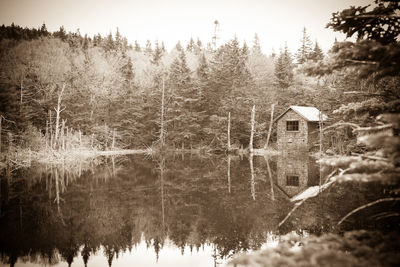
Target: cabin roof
308, 113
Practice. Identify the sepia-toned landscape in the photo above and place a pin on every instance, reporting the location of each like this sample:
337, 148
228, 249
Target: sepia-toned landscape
175, 133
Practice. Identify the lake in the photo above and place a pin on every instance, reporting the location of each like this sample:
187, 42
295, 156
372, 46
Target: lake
178, 210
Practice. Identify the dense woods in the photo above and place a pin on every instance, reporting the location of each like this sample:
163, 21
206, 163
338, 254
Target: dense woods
113, 87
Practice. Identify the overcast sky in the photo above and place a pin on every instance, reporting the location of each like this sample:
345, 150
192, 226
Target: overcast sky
275, 21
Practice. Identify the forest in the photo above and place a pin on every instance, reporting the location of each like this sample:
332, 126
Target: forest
62, 90
110, 87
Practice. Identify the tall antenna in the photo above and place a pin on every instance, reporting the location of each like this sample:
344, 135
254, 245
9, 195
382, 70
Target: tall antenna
214, 38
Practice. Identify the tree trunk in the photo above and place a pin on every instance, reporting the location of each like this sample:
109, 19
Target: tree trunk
252, 181
113, 140
46, 136
91, 141
320, 147
270, 179
51, 130
58, 111
270, 125
229, 131
229, 173
1, 118
162, 114
253, 112
62, 137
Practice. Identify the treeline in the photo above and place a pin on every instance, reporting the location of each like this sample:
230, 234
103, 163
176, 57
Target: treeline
114, 89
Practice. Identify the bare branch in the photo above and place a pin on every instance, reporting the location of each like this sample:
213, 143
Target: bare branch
340, 124
362, 62
368, 205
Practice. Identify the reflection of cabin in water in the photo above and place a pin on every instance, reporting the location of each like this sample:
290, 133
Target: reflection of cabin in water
297, 127
295, 174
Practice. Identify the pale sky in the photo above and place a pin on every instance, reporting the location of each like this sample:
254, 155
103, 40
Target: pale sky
275, 21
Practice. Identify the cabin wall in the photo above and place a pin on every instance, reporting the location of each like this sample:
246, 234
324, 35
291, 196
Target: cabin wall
313, 133
288, 140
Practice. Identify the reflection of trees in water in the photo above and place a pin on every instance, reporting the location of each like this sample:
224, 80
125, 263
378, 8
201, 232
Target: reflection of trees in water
81, 209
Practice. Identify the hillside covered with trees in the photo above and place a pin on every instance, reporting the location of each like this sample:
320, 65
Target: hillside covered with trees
110, 84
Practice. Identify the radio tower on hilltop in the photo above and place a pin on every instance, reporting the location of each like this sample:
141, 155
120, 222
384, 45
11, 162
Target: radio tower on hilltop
215, 37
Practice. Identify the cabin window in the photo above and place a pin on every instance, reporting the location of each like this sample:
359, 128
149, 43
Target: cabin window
292, 126
292, 180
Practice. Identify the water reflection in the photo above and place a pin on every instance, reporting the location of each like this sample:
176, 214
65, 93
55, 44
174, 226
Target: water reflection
295, 174
105, 213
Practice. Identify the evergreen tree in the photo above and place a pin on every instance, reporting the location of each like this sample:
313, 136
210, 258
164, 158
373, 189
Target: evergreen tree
198, 47
85, 44
305, 50
256, 45
127, 71
203, 69
273, 54
157, 54
317, 53
61, 34
118, 40
178, 46
43, 30
109, 43
245, 51
125, 45
149, 50
284, 69
97, 40
163, 50
137, 47
182, 112
190, 46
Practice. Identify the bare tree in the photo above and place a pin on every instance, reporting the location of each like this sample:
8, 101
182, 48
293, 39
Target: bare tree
58, 112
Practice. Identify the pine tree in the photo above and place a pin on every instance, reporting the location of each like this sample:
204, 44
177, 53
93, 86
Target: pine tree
149, 50
157, 54
118, 40
190, 46
85, 43
256, 45
181, 112
97, 40
61, 34
273, 54
203, 69
317, 53
163, 50
43, 30
198, 47
284, 69
245, 51
137, 47
304, 52
127, 70
109, 44
178, 46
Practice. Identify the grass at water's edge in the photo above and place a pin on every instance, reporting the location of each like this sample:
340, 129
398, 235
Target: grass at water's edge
24, 157
18, 157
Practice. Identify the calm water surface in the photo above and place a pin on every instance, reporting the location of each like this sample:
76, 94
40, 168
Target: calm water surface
173, 211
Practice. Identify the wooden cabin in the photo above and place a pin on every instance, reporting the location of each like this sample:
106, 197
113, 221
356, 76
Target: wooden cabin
298, 128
